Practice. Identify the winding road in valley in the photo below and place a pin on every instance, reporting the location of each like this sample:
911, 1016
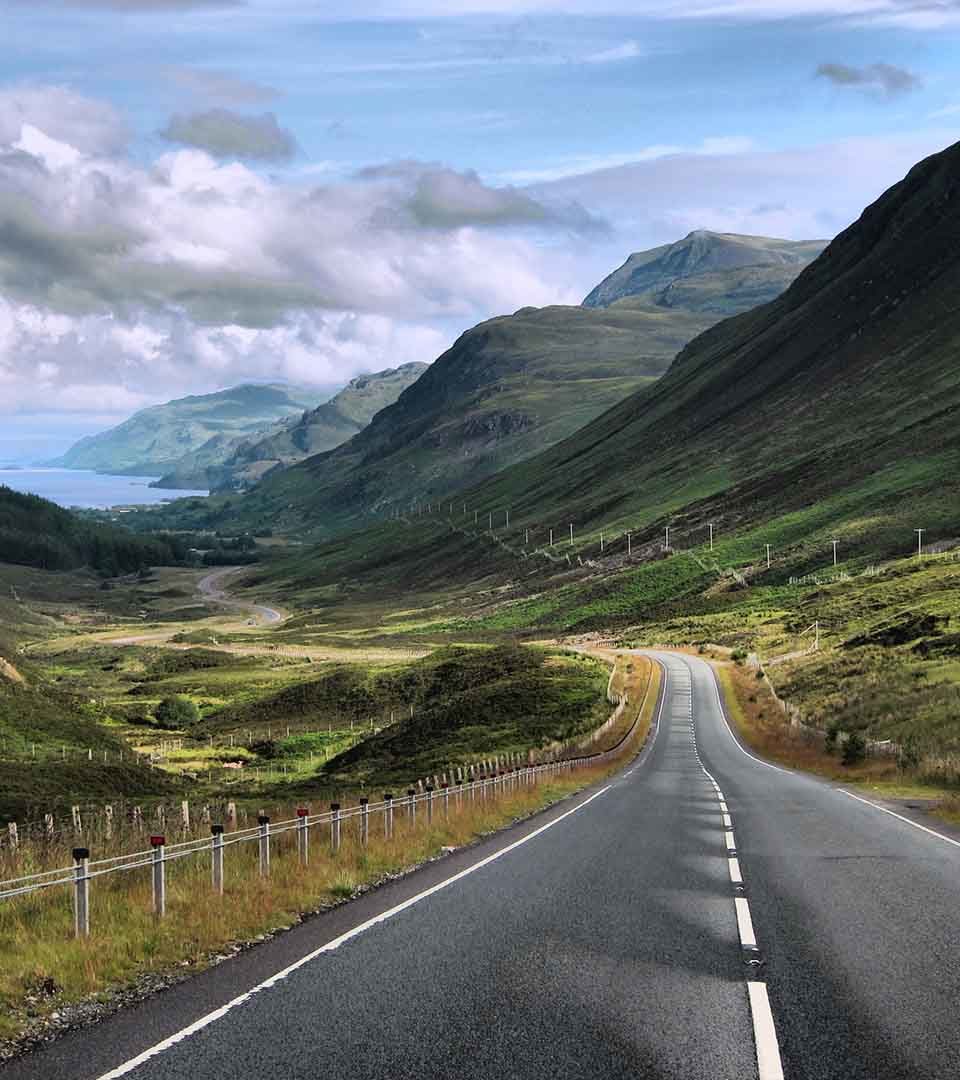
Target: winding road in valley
702, 915
212, 588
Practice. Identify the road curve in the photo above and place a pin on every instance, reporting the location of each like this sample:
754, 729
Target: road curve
212, 588
609, 937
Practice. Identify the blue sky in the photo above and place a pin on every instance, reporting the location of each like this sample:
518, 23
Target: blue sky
281, 190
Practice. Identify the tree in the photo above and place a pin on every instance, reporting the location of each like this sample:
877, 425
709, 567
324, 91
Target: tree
176, 711
854, 749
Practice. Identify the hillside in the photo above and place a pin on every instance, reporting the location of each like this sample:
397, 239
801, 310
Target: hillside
35, 532
322, 428
507, 390
720, 273
844, 388
154, 440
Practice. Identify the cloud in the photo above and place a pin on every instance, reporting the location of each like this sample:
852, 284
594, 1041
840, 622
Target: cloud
629, 50
578, 166
804, 193
229, 134
435, 197
88, 125
120, 279
134, 6
886, 78
906, 14
221, 87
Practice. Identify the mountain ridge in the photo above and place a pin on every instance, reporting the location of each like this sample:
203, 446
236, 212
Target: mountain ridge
154, 439
245, 460
506, 389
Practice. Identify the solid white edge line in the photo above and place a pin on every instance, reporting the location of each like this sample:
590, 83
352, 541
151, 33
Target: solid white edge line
211, 1017
726, 724
769, 1065
900, 817
748, 939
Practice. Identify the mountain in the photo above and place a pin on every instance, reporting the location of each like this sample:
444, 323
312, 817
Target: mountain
834, 407
507, 389
323, 428
717, 273
154, 440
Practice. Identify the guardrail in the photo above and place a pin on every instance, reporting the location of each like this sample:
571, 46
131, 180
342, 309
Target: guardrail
416, 806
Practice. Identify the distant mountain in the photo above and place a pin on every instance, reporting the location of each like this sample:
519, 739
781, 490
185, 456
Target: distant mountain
717, 273
323, 428
154, 440
835, 406
507, 390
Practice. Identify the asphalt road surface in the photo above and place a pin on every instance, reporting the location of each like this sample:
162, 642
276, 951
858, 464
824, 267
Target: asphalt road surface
631, 932
212, 588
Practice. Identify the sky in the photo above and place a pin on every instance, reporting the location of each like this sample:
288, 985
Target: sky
196, 193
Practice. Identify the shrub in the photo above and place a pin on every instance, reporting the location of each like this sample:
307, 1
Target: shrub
831, 738
854, 749
176, 711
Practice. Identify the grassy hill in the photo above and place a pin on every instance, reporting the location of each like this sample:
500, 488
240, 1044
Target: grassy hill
154, 440
837, 402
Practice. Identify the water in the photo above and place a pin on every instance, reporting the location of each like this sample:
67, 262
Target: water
89, 490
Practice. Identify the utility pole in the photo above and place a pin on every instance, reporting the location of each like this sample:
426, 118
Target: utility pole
768, 556
526, 537
710, 527
551, 537
490, 522
835, 543
629, 544
571, 535
919, 533
601, 543
666, 542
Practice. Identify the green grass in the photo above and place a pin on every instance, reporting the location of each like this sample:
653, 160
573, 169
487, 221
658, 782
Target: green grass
501, 700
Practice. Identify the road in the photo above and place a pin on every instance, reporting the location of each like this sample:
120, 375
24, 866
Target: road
212, 588
609, 937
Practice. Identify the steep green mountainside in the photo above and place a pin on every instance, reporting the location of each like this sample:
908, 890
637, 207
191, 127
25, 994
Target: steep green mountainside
847, 386
516, 385
35, 532
316, 431
154, 440
507, 389
830, 413
719, 273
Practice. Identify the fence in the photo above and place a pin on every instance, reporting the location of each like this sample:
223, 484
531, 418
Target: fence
416, 806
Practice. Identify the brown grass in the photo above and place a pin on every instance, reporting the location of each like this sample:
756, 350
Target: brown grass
762, 726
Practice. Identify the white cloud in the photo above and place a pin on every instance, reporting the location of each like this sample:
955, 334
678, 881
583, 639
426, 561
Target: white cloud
587, 163
808, 192
629, 50
123, 282
947, 110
